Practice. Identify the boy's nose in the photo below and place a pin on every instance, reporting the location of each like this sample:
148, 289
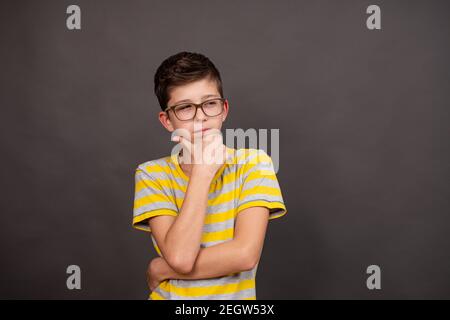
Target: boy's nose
200, 115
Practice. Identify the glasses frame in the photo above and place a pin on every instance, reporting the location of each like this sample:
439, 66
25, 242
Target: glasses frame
197, 105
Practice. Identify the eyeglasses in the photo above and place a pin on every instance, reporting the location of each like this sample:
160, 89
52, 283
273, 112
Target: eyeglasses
187, 111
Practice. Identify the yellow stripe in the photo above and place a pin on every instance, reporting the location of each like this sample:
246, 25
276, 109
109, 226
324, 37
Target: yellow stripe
168, 183
258, 174
261, 174
260, 190
218, 235
230, 195
163, 168
219, 217
156, 296
148, 199
222, 198
209, 290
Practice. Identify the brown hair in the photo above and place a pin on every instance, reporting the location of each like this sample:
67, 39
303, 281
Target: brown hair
183, 68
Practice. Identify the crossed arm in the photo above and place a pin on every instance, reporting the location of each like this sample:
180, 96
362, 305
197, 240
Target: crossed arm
239, 254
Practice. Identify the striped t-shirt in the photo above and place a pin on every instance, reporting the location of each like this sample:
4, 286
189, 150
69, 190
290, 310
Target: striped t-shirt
247, 179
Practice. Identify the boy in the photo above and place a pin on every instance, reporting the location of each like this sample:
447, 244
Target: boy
207, 219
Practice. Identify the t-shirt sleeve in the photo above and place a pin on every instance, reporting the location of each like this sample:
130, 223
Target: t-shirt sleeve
260, 186
151, 199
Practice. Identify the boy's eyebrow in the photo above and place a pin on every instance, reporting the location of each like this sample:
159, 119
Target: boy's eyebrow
204, 97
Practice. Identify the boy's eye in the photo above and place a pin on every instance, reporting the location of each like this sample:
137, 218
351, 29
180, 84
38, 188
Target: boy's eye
211, 103
184, 108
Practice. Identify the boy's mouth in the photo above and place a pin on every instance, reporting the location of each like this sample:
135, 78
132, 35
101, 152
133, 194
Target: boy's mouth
203, 130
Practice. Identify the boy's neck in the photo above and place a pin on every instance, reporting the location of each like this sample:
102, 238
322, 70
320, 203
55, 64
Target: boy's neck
187, 168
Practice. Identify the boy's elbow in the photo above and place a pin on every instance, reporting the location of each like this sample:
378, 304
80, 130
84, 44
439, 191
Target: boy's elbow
249, 260
249, 264
184, 268
181, 265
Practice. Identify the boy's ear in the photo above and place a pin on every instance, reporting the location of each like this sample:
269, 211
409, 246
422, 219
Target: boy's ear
165, 121
225, 110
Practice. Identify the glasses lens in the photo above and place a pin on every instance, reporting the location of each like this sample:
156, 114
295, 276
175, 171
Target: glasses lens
213, 107
185, 112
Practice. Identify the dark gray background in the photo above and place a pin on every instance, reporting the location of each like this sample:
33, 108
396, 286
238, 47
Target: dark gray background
363, 118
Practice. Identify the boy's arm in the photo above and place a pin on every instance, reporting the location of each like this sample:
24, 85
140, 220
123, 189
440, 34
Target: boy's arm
237, 255
179, 238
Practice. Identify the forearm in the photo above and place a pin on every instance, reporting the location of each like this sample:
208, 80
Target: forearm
216, 261
183, 238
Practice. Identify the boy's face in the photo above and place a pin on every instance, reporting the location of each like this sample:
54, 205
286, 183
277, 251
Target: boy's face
196, 92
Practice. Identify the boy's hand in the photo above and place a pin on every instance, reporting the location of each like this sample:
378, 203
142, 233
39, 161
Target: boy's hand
207, 150
155, 273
